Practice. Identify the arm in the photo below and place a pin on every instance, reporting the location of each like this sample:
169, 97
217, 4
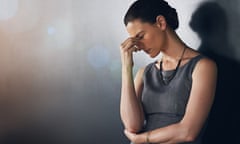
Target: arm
131, 111
198, 107
130, 105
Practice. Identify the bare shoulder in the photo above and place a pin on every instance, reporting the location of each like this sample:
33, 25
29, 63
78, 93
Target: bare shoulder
206, 64
205, 68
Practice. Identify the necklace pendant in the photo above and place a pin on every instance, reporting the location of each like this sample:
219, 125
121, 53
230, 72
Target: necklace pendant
167, 79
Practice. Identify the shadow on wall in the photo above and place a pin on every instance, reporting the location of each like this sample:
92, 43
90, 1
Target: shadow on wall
210, 22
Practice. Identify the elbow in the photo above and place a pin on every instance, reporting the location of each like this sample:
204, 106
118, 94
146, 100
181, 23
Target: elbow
188, 134
190, 138
133, 126
132, 130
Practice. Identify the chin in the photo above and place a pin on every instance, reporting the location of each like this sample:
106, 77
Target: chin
153, 55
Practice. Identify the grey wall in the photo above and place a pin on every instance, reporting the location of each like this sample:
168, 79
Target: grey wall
217, 25
60, 67
232, 9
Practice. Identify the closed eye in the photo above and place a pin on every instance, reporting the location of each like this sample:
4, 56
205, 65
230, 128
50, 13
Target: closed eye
140, 36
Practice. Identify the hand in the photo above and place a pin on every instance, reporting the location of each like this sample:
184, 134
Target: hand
129, 46
135, 138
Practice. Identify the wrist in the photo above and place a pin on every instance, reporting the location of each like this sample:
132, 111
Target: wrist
127, 64
147, 137
127, 68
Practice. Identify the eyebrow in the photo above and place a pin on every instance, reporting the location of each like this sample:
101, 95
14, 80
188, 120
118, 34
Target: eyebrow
139, 33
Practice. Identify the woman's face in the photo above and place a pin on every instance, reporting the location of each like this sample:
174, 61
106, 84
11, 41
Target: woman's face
151, 36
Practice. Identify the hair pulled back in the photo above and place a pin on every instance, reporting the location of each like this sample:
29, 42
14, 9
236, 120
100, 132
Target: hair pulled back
148, 10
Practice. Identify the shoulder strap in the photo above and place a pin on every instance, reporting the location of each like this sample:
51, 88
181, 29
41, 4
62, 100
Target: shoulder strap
194, 62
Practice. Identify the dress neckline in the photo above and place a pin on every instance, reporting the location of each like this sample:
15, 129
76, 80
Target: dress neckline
180, 67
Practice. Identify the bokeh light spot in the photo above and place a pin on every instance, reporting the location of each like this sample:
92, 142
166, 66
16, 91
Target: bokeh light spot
51, 30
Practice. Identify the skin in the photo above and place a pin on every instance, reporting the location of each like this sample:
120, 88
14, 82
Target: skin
153, 39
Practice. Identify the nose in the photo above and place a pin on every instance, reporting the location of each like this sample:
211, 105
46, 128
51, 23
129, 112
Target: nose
140, 45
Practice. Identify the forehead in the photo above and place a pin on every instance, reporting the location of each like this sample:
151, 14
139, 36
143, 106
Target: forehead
136, 26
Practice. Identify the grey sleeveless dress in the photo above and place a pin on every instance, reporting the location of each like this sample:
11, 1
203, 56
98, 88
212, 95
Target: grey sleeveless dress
165, 104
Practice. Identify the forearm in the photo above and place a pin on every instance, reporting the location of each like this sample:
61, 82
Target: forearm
172, 134
130, 106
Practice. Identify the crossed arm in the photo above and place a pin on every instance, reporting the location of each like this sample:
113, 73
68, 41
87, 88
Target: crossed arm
200, 101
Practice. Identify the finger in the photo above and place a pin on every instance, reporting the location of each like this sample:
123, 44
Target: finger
137, 48
131, 46
128, 42
134, 39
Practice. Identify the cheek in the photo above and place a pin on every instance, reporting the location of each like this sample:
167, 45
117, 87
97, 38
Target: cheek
153, 41
148, 40
158, 40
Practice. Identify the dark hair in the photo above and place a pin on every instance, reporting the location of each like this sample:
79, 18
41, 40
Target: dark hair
148, 10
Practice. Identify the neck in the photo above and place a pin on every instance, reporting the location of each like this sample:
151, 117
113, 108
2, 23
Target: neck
174, 47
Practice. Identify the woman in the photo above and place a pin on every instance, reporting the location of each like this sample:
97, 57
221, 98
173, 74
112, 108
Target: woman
168, 101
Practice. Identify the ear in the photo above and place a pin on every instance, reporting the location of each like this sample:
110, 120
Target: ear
161, 22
